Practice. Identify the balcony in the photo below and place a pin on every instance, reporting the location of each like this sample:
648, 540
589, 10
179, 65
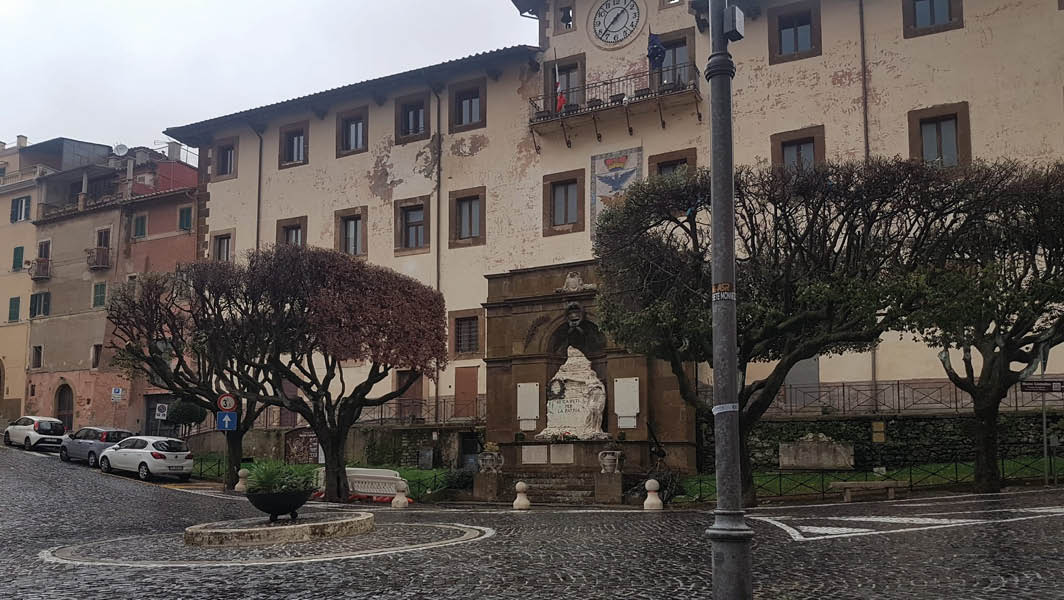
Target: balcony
658, 90
98, 259
41, 269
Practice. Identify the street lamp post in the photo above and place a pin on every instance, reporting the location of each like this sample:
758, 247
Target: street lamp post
730, 536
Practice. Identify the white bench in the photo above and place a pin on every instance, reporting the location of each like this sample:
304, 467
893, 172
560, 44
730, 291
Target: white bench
369, 482
848, 487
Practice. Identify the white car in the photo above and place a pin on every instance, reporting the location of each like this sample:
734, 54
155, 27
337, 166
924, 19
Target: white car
35, 433
148, 456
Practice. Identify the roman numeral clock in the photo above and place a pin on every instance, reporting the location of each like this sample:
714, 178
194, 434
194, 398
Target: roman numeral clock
615, 23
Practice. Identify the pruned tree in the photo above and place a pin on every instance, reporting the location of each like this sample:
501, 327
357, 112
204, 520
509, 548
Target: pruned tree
997, 297
181, 332
186, 414
325, 309
826, 257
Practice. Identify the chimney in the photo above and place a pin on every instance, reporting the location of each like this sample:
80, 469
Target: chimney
173, 151
21, 141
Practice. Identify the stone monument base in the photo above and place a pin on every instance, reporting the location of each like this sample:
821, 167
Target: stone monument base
487, 486
608, 488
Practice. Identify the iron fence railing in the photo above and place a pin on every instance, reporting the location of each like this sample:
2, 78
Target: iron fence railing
614, 92
952, 466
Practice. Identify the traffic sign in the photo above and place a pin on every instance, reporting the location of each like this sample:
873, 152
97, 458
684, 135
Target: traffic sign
1042, 386
160, 411
226, 421
227, 403
117, 394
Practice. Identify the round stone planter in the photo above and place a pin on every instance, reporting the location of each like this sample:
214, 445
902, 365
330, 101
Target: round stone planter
279, 503
609, 460
489, 462
256, 532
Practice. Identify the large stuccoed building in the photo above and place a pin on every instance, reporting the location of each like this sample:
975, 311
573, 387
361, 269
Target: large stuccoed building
472, 176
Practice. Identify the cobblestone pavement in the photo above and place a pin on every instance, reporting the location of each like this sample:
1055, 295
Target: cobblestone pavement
970, 547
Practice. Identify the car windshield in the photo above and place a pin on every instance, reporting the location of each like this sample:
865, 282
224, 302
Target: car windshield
171, 446
117, 436
50, 427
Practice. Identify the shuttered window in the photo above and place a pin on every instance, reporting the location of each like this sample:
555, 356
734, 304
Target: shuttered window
16, 260
13, 309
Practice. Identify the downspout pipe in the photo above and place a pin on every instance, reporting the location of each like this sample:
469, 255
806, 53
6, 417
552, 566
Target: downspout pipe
867, 141
258, 189
439, 209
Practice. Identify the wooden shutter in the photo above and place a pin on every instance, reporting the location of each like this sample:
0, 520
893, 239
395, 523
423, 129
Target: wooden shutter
13, 308
15, 204
465, 392
46, 303
35, 302
16, 261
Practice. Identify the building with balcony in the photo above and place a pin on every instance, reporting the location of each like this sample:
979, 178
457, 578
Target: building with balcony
100, 225
483, 176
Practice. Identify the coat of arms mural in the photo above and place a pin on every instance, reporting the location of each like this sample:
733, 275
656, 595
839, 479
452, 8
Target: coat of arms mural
611, 174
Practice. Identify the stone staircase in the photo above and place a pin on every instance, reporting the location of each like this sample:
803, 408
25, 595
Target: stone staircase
553, 488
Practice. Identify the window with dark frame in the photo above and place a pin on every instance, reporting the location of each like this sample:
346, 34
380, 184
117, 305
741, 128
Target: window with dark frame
294, 145
352, 242
99, 294
103, 238
354, 134
466, 335
20, 209
293, 235
796, 33
799, 154
13, 309
938, 137
570, 81
140, 226
17, 258
674, 70
929, 13
44, 249
467, 107
468, 217
565, 17
565, 203
40, 304
413, 227
670, 167
97, 352
221, 247
226, 160
37, 357
184, 218
413, 118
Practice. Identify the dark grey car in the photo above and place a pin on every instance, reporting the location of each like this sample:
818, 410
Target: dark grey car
88, 442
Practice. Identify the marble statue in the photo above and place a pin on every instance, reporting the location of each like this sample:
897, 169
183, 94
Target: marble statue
576, 401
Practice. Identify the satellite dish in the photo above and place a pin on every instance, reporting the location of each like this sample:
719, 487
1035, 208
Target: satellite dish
121, 150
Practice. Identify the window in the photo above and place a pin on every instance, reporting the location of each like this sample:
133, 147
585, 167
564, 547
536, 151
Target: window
570, 79
99, 294
675, 70
140, 226
13, 309
565, 198
923, 17
468, 105
800, 148
795, 31
409, 405
565, 19
184, 218
20, 209
465, 335
671, 162
97, 352
671, 166
224, 157
222, 249
349, 225
44, 249
467, 217
941, 135
412, 122
563, 202
37, 357
292, 231
294, 148
40, 304
17, 258
411, 232
351, 131
103, 236
413, 227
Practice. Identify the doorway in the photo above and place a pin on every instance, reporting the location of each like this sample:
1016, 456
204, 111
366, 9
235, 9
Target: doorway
64, 406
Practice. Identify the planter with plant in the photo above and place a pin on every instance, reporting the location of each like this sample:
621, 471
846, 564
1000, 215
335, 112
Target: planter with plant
611, 458
276, 488
490, 460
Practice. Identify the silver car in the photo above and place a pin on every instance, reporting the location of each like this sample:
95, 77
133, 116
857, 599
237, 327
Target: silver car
89, 442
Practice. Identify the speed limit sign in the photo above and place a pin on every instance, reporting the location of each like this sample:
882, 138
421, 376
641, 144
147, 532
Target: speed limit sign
227, 403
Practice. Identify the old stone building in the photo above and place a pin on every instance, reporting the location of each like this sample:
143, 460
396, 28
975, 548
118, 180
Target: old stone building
483, 176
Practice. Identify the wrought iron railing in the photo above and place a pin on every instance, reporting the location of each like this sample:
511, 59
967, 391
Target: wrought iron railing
615, 92
98, 258
40, 268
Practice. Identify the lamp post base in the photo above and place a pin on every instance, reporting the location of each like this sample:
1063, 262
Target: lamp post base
732, 565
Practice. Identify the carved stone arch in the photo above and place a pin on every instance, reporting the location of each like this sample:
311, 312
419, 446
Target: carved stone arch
586, 337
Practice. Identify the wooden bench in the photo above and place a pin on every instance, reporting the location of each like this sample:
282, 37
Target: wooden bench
368, 482
848, 487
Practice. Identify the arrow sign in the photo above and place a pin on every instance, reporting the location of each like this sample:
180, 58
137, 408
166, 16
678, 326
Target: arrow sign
227, 421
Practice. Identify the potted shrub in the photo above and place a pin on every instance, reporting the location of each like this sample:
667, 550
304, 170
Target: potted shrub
490, 460
279, 489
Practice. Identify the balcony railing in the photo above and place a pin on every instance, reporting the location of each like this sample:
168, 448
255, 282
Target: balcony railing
98, 258
40, 269
614, 93
25, 174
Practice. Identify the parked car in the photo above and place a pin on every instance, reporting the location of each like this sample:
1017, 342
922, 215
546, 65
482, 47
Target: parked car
149, 456
89, 442
40, 433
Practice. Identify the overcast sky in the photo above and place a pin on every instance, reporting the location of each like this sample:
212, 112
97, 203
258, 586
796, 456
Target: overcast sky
122, 70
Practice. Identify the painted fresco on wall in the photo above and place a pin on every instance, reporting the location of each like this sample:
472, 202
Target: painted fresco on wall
611, 174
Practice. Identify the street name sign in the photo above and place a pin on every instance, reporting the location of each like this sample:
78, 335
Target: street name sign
226, 421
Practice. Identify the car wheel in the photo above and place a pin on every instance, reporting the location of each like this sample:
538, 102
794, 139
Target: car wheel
26, 444
92, 460
7, 439
143, 472
63, 456
105, 465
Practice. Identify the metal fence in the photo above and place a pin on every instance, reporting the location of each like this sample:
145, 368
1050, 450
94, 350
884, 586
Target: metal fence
619, 91
952, 466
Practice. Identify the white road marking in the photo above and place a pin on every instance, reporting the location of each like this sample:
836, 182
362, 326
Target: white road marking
797, 535
892, 520
830, 530
905, 501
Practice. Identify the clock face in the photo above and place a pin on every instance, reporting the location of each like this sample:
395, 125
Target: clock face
614, 21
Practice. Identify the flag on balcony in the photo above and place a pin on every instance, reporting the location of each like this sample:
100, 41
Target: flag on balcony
559, 103
655, 51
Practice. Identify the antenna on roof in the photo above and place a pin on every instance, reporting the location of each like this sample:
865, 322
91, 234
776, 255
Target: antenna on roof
121, 149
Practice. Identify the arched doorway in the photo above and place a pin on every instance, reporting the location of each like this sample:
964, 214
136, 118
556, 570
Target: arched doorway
64, 406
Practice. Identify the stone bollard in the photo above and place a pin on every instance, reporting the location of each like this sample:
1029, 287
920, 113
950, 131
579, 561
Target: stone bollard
521, 502
242, 481
653, 501
400, 500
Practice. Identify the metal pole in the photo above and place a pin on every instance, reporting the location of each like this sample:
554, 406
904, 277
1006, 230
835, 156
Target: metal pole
729, 534
1045, 441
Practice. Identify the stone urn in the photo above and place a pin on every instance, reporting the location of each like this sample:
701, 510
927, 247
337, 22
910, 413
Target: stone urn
610, 460
279, 503
489, 462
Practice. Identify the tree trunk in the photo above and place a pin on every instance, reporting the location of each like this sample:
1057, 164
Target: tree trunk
332, 444
746, 468
234, 446
987, 469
